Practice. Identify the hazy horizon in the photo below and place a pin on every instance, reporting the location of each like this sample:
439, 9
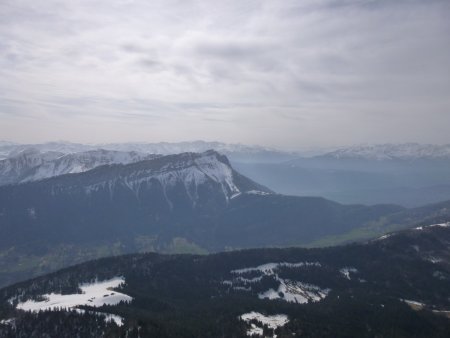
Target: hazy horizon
287, 75
306, 149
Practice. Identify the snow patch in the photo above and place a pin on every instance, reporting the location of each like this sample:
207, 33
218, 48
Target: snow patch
93, 294
235, 195
272, 322
288, 290
109, 317
442, 312
413, 303
9, 321
346, 271
257, 192
443, 225
433, 259
295, 292
269, 268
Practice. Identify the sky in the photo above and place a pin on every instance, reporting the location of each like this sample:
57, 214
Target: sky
284, 74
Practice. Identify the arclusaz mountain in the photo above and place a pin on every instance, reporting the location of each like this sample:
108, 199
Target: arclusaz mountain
183, 203
189, 202
393, 286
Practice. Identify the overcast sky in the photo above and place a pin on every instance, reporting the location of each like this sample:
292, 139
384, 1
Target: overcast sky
288, 74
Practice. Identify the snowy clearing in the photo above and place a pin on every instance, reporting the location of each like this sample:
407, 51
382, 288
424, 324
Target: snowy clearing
288, 290
93, 294
109, 317
271, 321
295, 292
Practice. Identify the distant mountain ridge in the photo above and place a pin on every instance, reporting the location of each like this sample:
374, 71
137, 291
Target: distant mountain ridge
384, 152
406, 174
387, 151
31, 164
234, 151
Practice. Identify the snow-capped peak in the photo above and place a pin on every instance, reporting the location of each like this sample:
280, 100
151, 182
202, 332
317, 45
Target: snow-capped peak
187, 179
405, 151
190, 170
30, 164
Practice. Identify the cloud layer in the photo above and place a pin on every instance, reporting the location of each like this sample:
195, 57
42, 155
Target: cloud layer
281, 73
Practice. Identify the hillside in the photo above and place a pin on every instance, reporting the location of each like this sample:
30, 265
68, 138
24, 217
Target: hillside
396, 285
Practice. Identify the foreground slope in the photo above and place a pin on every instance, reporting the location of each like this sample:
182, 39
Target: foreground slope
397, 285
178, 203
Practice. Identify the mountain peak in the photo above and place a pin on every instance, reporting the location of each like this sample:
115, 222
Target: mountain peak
186, 181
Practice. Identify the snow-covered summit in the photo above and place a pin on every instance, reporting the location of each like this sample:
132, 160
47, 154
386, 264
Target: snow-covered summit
194, 176
405, 151
31, 164
18, 165
84, 161
190, 172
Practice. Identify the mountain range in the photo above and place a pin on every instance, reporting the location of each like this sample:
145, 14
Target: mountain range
381, 152
189, 202
386, 152
238, 152
408, 174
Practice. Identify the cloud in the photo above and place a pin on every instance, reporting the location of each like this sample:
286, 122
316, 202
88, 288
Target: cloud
281, 73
